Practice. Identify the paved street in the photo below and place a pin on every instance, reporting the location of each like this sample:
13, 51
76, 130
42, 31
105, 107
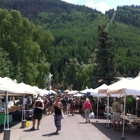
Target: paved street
73, 128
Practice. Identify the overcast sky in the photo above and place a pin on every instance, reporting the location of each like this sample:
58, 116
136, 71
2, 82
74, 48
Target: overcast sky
103, 5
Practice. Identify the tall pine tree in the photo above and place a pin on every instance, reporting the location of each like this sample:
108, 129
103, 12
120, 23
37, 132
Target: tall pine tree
105, 58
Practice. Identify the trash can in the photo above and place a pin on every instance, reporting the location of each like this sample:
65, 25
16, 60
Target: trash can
23, 124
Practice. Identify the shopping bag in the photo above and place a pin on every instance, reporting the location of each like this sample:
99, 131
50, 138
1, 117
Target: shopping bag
62, 114
92, 115
27, 123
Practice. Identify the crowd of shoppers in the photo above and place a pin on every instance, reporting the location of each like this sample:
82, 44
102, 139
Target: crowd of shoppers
55, 104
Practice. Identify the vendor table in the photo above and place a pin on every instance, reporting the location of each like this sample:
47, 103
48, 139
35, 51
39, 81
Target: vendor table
132, 121
2, 119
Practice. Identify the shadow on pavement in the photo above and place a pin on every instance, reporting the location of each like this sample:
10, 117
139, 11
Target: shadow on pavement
116, 135
11, 125
69, 116
50, 134
29, 130
82, 123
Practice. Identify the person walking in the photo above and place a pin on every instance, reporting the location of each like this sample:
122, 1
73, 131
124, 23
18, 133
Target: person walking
116, 108
69, 100
73, 106
45, 105
50, 105
38, 111
57, 108
87, 108
64, 102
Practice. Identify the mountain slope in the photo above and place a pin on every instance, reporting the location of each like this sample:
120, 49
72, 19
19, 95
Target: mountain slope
74, 28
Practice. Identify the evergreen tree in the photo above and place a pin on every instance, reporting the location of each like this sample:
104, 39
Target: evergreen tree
72, 73
105, 58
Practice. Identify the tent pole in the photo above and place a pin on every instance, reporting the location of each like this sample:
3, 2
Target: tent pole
108, 111
136, 106
124, 119
23, 112
97, 108
6, 119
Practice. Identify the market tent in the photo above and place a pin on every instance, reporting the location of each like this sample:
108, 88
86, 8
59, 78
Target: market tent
118, 87
45, 92
52, 92
67, 91
78, 95
38, 91
103, 91
28, 90
133, 87
95, 91
85, 91
8, 85
73, 92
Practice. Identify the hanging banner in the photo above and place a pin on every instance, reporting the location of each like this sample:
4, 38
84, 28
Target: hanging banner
88, 93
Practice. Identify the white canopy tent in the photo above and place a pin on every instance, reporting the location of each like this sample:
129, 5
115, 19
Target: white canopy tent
94, 92
115, 90
133, 87
102, 93
66, 91
72, 92
52, 92
78, 95
85, 91
124, 87
45, 92
6, 84
39, 91
118, 87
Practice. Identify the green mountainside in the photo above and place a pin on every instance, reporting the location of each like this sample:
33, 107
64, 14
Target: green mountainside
74, 29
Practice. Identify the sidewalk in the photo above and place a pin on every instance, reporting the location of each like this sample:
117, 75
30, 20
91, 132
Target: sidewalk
73, 128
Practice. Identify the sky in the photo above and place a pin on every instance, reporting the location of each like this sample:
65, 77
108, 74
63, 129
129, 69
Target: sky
103, 5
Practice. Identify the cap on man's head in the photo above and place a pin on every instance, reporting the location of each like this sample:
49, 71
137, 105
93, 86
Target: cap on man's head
117, 99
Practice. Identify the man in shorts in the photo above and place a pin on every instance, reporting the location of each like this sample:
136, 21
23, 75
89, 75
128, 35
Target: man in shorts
116, 108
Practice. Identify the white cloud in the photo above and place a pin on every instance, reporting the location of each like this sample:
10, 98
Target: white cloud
101, 6
70, 1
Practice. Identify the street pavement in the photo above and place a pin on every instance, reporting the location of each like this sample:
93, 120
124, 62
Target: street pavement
73, 128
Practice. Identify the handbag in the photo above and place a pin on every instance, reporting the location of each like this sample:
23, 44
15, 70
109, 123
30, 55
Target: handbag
92, 115
62, 114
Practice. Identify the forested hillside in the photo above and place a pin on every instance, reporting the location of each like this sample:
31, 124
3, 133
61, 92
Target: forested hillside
74, 29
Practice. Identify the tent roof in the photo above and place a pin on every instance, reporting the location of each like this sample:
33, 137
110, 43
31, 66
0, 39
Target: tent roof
133, 87
96, 91
86, 90
118, 87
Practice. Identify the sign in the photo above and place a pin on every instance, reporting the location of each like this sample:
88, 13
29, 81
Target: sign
88, 93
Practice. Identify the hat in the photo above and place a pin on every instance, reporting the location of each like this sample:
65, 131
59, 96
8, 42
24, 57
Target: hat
39, 99
137, 98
